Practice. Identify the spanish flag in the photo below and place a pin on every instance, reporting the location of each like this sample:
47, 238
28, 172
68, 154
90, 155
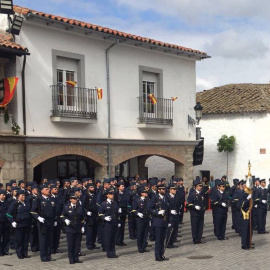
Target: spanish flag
7, 90
152, 98
174, 98
71, 83
99, 93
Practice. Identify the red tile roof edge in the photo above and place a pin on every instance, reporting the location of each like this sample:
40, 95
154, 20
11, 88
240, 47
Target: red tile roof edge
25, 11
6, 41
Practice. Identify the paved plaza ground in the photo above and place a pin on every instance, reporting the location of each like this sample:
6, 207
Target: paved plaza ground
212, 255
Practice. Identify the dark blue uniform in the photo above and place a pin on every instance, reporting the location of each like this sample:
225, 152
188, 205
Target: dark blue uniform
75, 214
219, 200
19, 212
211, 195
45, 208
236, 209
180, 194
109, 209
4, 229
196, 216
160, 222
260, 199
140, 205
131, 195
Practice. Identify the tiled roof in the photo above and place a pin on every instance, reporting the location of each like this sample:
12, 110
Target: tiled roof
25, 11
235, 98
6, 42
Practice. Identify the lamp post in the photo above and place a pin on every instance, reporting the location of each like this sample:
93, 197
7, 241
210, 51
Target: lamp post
198, 113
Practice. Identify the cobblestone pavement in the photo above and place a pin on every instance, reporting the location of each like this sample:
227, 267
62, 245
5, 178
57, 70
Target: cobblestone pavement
214, 254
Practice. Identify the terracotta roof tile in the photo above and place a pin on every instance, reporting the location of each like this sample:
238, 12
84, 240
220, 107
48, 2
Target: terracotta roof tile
235, 98
25, 11
6, 41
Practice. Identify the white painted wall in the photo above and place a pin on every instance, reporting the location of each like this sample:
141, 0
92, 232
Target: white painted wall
178, 80
251, 132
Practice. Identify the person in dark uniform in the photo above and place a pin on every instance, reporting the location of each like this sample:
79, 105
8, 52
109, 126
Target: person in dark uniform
153, 192
233, 189
121, 198
256, 187
108, 212
131, 195
8, 190
159, 209
58, 202
196, 206
43, 210
19, 216
220, 201
91, 209
65, 190
181, 197
34, 240
4, 225
261, 201
211, 195
73, 216
174, 216
140, 210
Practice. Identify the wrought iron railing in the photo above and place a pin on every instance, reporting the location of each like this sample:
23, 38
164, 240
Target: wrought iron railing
74, 102
159, 113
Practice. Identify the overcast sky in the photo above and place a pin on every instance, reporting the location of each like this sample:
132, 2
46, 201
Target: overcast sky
236, 33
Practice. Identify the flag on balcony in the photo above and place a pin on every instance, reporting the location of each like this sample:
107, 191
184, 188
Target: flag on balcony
99, 93
174, 98
71, 83
7, 89
152, 98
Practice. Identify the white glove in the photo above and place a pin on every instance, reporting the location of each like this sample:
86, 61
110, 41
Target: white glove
120, 210
149, 223
82, 229
249, 196
108, 218
41, 219
119, 225
67, 221
55, 224
256, 206
140, 215
89, 213
264, 201
169, 225
173, 212
14, 224
224, 204
161, 212
197, 207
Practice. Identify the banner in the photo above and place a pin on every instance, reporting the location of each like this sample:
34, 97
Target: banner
152, 98
174, 98
99, 93
7, 90
71, 83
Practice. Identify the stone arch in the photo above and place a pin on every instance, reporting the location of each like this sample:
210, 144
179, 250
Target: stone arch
68, 150
2, 162
149, 151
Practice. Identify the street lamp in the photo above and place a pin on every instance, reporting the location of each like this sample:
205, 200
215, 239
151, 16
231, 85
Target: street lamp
6, 7
198, 112
16, 25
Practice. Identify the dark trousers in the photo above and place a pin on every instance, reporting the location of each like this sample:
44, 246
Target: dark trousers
34, 239
142, 233
110, 229
255, 217
73, 243
132, 227
45, 234
4, 237
100, 232
182, 213
152, 232
22, 235
56, 236
160, 236
261, 219
197, 227
245, 233
235, 221
91, 235
214, 220
221, 222
172, 233
121, 231
240, 221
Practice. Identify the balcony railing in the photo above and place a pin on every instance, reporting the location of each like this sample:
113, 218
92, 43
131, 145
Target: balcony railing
160, 113
74, 102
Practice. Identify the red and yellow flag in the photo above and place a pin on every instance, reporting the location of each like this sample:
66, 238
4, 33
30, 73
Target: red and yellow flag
7, 85
174, 98
99, 93
71, 83
152, 98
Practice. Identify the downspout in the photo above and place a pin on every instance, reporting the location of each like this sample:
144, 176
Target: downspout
109, 103
24, 119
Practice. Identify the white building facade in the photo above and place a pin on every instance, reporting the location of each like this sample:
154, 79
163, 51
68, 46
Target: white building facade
68, 131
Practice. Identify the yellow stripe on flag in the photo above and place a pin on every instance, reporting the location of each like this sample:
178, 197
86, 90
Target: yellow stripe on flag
71, 83
152, 98
174, 98
99, 93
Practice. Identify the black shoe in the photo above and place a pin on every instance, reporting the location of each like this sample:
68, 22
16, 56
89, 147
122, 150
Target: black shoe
81, 254
90, 248
27, 257
71, 262
146, 250
132, 238
51, 259
116, 256
7, 253
159, 259
164, 258
266, 232
172, 246
58, 251
148, 245
121, 245
79, 261
45, 260
21, 257
196, 242
177, 241
141, 251
95, 247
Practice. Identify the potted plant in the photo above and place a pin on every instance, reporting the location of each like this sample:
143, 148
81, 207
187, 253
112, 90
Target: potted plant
15, 128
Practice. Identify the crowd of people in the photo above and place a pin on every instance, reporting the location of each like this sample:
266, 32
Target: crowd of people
36, 215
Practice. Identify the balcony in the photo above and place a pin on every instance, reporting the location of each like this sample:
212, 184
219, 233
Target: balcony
73, 104
159, 115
